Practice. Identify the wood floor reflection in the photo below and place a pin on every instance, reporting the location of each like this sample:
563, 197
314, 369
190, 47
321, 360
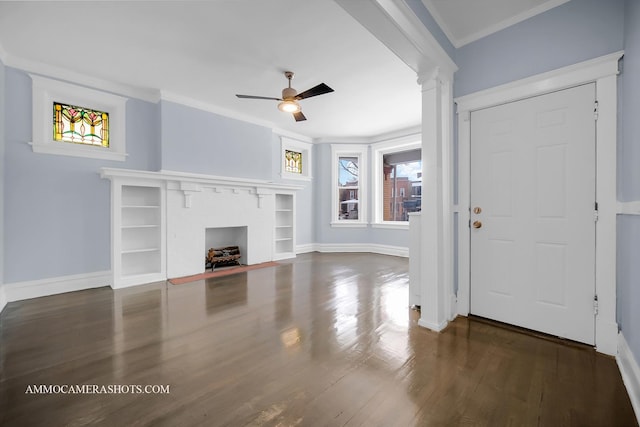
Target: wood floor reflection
322, 340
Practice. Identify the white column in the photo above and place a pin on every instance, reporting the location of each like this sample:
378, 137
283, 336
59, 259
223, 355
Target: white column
436, 231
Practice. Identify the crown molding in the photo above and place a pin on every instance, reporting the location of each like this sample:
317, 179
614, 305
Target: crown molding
400, 133
508, 22
65, 74
458, 42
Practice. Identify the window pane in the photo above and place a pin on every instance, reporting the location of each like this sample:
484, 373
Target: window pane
348, 172
402, 188
80, 125
348, 188
293, 161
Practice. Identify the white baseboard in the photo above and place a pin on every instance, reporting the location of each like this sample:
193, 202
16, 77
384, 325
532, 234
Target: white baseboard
628, 208
630, 372
363, 247
303, 249
3, 298
436, 327
56, 285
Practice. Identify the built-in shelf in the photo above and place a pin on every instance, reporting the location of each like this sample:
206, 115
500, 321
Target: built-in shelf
138, 239
284, 228
159, 221
137, 251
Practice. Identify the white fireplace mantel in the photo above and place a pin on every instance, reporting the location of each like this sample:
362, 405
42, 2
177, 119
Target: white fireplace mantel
159, 221
195, 181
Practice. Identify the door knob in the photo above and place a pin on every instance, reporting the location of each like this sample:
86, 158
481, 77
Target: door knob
477, 224
477, 210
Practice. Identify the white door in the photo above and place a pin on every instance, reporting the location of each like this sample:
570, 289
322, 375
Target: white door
533, 199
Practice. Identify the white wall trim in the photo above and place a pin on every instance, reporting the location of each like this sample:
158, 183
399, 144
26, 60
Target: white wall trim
397, 134
35, 67
628, 208
603, 71
630, 372
373, 248
397, 27
459, 42
305, 248
57, 285
46, 91
360, 151
3, 298
562, 78
306, 150
378, 151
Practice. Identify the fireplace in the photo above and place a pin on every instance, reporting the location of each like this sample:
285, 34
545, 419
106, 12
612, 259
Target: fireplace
225, 237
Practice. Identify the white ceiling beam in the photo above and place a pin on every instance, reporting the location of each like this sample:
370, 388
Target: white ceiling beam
397, 27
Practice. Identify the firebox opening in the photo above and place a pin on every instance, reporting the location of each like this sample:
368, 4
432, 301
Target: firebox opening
227, 243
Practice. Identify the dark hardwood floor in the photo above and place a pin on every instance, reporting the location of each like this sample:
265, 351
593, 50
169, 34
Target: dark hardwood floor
322, 340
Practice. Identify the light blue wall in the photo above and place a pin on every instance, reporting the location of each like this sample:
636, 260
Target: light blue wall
575, 31
57, 208
199, 141
628, 268
338, 235
216, 145
2, 166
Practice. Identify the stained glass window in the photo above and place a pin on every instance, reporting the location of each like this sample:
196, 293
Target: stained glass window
80, 125
293, 161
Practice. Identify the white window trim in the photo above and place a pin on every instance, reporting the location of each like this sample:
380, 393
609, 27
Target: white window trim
301, 147
409, 142
47, 91
352, 150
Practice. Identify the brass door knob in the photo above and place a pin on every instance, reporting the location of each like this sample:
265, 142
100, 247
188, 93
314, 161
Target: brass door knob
477, 224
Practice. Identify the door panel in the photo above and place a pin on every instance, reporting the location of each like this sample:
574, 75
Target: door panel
533, 176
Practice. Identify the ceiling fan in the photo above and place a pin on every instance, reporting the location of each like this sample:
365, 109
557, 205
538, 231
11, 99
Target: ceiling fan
290, 97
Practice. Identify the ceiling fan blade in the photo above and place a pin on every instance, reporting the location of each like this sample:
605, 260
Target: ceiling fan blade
299, 116
258, 97
321, 89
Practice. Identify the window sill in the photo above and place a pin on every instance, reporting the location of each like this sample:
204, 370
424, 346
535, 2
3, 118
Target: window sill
394, 225
347, 224
77, 151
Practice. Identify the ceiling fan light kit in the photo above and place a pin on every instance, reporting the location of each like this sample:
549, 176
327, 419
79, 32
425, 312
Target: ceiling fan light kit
289, 106
290, 97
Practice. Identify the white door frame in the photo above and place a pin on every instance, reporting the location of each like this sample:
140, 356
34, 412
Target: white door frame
603, 72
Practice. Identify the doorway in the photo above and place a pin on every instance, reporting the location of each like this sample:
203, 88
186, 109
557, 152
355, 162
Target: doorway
533, 202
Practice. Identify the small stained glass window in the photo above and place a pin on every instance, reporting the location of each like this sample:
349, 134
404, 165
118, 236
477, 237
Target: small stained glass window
292, 161
80, 125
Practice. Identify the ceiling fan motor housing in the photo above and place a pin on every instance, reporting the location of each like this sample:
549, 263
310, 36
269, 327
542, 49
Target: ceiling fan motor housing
289, 93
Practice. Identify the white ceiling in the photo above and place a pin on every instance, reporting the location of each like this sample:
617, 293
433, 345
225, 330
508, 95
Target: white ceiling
465, 21
203, 53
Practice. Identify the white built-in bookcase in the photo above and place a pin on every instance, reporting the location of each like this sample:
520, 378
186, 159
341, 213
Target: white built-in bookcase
138, 236
284, 227
146, 205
